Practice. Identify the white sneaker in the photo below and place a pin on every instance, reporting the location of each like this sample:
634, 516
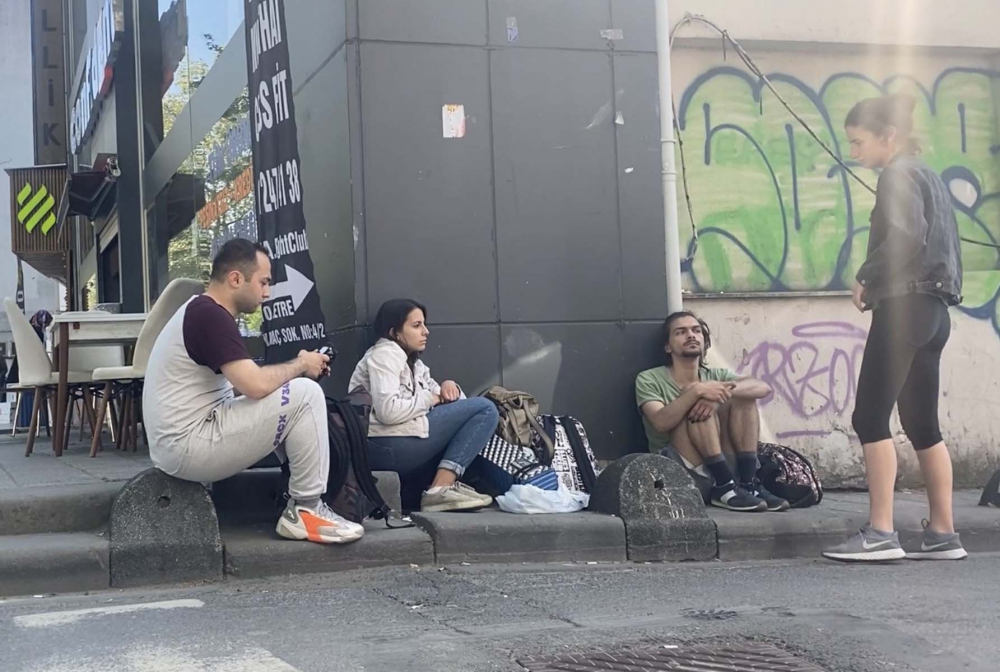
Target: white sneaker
456, 497
320, 525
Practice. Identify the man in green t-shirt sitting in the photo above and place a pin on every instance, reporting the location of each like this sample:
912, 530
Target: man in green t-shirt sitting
702, 412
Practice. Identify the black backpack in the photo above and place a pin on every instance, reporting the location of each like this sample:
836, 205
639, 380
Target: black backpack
351, 489
991, 493
788, 475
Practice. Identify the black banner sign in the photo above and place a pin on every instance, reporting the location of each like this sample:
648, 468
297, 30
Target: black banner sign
293, 318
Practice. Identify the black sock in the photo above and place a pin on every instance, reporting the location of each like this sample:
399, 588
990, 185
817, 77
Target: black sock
746, 466
717, 466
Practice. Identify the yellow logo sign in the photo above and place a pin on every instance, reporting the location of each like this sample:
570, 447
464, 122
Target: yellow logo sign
36, 209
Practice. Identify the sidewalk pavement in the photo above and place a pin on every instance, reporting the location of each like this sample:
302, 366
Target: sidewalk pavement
75, 467
54, 516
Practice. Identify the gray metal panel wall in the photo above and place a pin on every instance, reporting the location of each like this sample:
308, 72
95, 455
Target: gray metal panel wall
317, 29
635, 18
325, 154
350, 345
431, 21
429, 201
359, 228
557, 220
540, 258
467, 354
317, 32
587, 371
640, 191
566, 24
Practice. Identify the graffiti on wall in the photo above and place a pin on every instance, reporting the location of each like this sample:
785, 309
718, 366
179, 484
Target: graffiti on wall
774, 212
813, 374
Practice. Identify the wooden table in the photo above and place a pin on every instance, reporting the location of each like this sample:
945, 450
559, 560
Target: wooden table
86, 328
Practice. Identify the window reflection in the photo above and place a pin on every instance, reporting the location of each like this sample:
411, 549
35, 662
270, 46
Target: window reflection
192, 35
208, 201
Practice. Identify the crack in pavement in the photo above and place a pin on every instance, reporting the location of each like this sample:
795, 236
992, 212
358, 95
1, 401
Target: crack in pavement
415, 609
10, 476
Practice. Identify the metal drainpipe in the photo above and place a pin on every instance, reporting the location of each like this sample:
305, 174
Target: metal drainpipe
672, 243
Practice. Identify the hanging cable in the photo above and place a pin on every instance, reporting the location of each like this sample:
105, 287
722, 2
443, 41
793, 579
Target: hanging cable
687, 192
752, 66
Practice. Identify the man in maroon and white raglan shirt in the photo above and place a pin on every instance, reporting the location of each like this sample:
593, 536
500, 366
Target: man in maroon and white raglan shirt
200, 431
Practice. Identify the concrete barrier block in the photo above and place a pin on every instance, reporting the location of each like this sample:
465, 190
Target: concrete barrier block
164, 530
672, 540
663, 512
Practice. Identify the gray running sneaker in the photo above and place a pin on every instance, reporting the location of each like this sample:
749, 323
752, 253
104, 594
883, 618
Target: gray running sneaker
937, 546
868, 545
457, 497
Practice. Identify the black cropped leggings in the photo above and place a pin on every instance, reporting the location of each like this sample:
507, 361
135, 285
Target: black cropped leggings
902, 365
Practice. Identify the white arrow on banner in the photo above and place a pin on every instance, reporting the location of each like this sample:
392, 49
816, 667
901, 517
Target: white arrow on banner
296, 286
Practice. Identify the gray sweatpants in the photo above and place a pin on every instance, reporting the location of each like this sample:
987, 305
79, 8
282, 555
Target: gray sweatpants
243, 431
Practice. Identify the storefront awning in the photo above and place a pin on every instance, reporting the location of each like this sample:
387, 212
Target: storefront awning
90, 193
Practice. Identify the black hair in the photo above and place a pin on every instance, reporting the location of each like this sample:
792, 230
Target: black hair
392, 317
705, 331
238, 254
878, 115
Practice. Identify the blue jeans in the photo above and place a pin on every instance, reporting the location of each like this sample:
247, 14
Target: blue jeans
458, 433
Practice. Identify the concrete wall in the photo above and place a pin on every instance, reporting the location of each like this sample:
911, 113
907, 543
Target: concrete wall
809, 350
775, 214
966, 24
17, 151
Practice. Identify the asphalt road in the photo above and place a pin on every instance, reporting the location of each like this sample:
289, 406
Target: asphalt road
909, 616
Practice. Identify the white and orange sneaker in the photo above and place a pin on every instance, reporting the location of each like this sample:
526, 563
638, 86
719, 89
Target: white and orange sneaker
320, 525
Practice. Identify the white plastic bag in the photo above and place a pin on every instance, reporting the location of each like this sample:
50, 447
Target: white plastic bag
529, 499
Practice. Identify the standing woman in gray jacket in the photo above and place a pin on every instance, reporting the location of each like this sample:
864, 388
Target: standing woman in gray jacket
415, 422
912, 274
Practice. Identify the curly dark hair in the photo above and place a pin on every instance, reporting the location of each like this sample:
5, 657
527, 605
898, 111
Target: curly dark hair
665, 334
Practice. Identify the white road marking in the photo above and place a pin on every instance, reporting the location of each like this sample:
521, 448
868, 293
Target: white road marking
57, 618
166, 659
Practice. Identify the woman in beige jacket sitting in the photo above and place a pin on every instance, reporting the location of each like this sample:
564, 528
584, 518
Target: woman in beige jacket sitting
415, 422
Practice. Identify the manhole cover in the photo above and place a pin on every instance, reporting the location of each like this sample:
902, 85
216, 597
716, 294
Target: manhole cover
690, 658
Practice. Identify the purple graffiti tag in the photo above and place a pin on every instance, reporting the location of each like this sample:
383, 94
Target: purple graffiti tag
831, 329
816, 373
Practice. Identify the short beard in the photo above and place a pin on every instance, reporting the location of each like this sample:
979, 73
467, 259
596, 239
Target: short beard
247, 307
691, 355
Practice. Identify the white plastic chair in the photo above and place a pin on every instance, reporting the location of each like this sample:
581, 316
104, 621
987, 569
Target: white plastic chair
86, 359
126, 381
18, 391
35, 367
